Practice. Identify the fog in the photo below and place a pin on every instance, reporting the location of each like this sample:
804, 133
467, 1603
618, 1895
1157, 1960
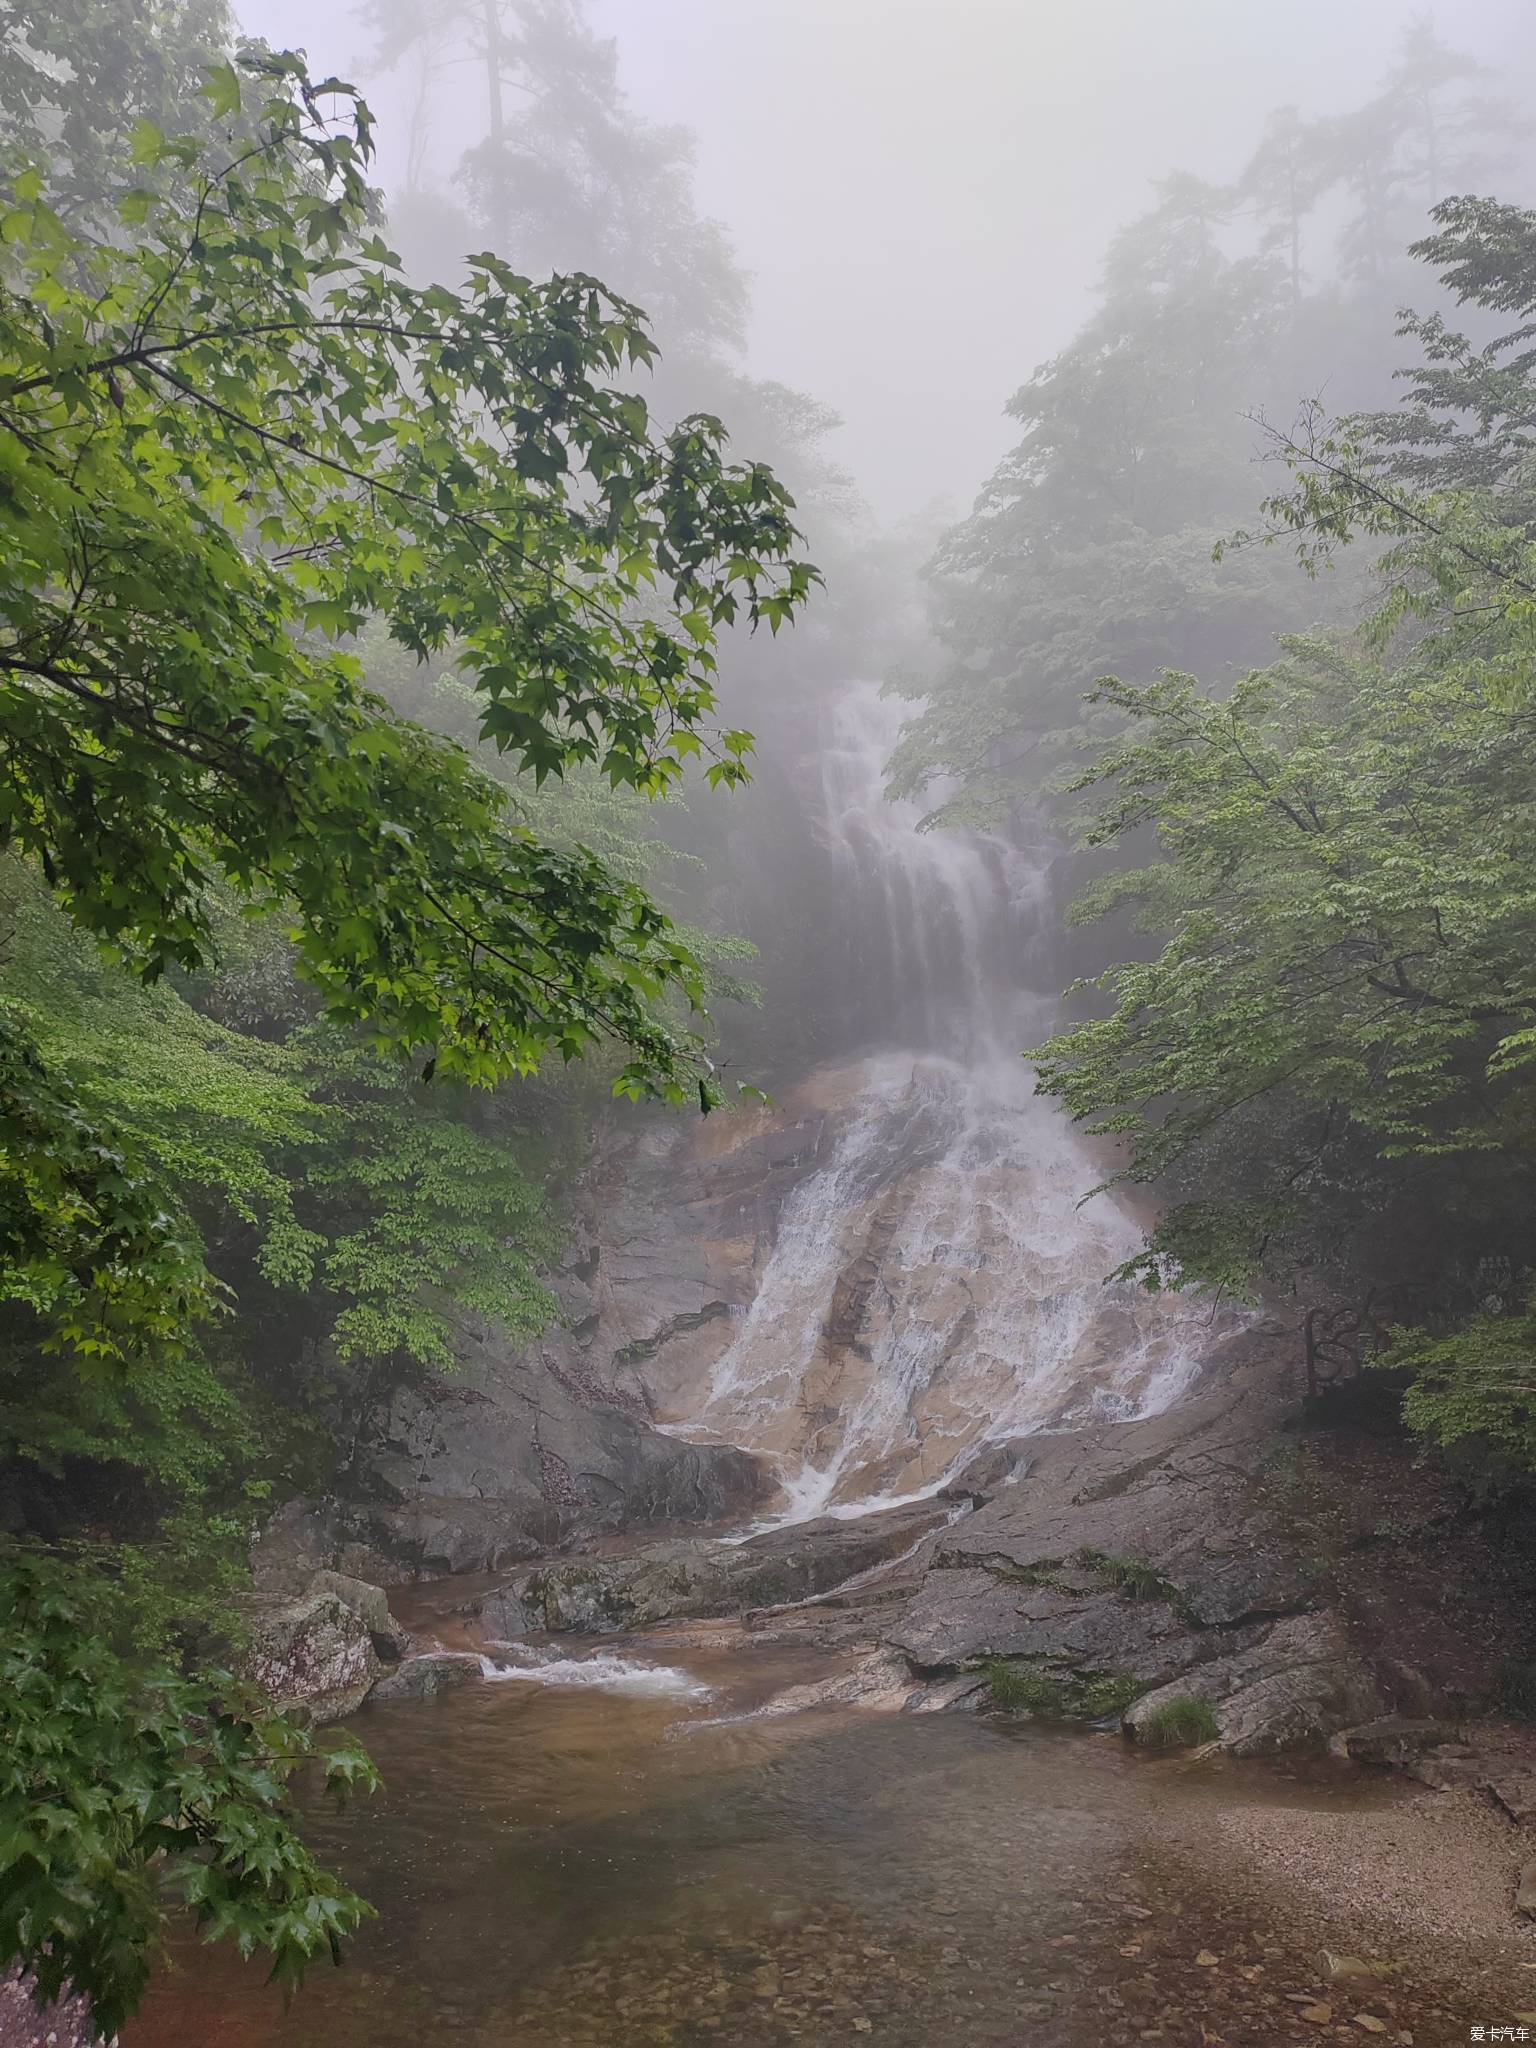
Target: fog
921, 192
767, 855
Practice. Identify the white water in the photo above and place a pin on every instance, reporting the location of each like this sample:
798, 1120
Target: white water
605, 1670
934, 1284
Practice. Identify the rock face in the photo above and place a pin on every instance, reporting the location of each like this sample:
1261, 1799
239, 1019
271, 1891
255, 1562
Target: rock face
521, 1453
856, 1285
692, 1577
315, 1655
1140, 1551
1291, 1689
918, 1279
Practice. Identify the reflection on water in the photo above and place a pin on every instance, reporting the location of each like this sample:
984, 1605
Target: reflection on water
572, 1865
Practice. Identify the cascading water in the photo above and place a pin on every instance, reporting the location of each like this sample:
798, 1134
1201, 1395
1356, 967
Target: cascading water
934, 1283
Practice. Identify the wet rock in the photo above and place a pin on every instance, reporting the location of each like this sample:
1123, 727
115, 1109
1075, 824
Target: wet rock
1142, 1549
308, 1535
314, 1656
1221, 1590
296, 1542
1448, 1773
371, 1606
684, 1577
1292, 1690
1394, 1738
440, 1536
1525, 1891
423, 1678
1172, 1492
520, 1455
987, 1472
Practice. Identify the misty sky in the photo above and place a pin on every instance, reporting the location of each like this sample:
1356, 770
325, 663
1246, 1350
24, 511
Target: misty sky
922, 189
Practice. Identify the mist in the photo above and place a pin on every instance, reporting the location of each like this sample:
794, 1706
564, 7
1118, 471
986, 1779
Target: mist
921, 194
767, 1022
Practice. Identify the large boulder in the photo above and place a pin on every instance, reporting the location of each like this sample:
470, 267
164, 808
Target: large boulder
314, 1656
307, 1535
1130, 1547
371, 1606
522, 1453
423, 1678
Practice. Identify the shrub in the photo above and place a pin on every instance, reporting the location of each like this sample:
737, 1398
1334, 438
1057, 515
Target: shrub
1180, 1723
1020, 1688
1137, 1579
126, 1787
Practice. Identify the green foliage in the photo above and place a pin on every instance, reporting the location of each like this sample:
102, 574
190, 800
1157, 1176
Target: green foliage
1095, 546
1180, 1724
422, 1218
1346, 885
228, 445
77, 76
1018, 1687
245, 466
85, 1239
1331, 1053
355, 1214
125, 1786
1134, 1576
1473, 1390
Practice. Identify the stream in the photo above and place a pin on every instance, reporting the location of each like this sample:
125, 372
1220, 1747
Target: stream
644, 1863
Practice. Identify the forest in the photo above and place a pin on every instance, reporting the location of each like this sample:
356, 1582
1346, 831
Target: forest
423, 791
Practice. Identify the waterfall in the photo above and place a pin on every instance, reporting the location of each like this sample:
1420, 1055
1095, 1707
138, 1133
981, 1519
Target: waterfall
935, 1284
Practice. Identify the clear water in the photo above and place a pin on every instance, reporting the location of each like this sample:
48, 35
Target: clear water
571, 1866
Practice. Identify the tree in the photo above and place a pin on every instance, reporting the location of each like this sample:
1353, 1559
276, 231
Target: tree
1090, 547
1282, 183
233, 439
122, 1784
75, 76
1345, 888
1333, 1052
228, 448
564, 165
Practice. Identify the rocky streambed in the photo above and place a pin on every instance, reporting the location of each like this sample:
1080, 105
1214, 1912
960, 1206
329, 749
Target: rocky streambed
910, 1776
1216, 1553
